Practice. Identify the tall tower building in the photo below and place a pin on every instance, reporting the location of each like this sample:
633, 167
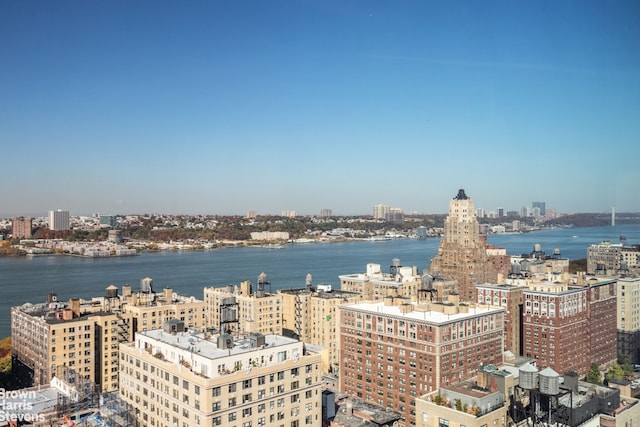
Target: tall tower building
58, 220
326, 213
462, 254
21, 227
541, 206
628, 320
381, 211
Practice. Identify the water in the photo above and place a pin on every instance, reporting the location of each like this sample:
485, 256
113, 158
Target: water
30, 279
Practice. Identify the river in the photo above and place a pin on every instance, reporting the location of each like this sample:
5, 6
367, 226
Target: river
31, 278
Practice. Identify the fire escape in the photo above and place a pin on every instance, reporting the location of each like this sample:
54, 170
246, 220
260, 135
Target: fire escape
299, 315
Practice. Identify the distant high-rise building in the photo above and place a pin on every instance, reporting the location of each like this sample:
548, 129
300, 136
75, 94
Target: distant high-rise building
462, 254
21, 228
395, 214
480, 213
326, 213
288, 213
251, 215
108, 220
541, 206
524, 212
380, 211
500, 212
58, 220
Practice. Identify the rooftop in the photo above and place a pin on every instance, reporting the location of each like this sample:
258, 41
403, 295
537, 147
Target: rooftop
356, 413
423, 312
208, 348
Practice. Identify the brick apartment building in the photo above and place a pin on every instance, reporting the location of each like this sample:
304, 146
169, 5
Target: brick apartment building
393, 351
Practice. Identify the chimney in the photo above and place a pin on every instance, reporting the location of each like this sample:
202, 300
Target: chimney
74, 305
406, 308
453, 299
168, 295
245, 287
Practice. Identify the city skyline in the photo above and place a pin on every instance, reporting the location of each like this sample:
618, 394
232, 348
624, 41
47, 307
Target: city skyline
224, 108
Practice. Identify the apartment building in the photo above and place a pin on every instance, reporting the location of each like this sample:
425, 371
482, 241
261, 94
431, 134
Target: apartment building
628, 318
604, 258
381, 211
608, 258
58, 220
178, 378
563, 321
52, 338
391, 352
257, 311
150, 309
568, 322
310, 313
21, 227
83, 335
509, 297
374, 284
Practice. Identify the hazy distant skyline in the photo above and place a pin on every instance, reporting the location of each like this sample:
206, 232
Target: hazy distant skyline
225, 107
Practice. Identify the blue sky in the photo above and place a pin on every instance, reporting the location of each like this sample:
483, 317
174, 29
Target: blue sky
206, 107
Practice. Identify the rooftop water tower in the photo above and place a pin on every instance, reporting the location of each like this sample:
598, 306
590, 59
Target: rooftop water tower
395, 267
549, 382
309, 282
262, 283
528, 376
